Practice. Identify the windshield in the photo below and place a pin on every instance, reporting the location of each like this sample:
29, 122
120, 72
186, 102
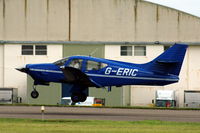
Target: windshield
61, 62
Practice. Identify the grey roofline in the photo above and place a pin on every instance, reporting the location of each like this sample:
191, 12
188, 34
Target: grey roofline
96, 42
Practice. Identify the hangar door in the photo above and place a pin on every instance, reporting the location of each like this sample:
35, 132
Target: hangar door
5, 96
192, 99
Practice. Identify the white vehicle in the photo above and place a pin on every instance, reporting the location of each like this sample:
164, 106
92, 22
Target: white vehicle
165, 98
90, 101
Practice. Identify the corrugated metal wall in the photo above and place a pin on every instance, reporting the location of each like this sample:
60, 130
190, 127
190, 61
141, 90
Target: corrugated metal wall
94, 20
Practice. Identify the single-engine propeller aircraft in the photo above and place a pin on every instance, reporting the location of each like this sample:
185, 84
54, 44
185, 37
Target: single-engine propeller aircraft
86, 71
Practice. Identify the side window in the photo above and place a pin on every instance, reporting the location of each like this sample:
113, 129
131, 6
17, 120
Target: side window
40, 50
27, 49
76, 63
126, 50
93, 65
140, 50
34, 50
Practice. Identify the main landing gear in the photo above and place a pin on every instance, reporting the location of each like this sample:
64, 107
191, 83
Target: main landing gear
78, 97
34, 93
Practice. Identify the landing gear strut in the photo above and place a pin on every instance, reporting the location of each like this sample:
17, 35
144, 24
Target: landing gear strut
78, 97
34, 93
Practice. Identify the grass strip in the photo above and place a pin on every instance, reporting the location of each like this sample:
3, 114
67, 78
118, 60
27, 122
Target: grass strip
84, 126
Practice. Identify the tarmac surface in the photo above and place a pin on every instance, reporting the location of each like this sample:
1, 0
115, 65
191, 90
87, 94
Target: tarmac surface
85, 113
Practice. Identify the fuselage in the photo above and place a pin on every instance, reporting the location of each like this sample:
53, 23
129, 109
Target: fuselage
102, 72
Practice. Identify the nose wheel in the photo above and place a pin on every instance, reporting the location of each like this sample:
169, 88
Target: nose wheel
34, 93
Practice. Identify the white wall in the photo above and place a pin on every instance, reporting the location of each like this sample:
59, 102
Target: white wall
194, 68
113, 52
13, 59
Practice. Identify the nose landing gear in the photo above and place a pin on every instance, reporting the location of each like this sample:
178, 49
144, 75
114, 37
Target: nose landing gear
34, 93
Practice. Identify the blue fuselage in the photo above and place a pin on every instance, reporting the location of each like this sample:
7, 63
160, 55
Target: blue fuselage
113, 73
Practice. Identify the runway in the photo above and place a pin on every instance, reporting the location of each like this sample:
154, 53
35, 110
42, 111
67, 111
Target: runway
84, 113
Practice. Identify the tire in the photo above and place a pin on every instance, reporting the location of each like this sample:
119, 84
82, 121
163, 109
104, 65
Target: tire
83, 97
34, 94
75, 97
78, 97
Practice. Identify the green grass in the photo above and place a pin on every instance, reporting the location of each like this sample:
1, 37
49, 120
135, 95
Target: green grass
87, 126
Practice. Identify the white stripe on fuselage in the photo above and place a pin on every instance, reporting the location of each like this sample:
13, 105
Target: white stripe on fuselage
126, 77
44, 70
109, 76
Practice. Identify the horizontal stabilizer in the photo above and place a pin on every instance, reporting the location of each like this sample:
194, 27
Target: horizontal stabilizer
166, 62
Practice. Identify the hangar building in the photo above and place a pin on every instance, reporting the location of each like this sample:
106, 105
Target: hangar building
36, 31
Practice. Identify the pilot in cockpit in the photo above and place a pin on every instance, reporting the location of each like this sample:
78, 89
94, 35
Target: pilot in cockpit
76, 64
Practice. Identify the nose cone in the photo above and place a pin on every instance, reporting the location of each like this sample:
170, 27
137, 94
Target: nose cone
22, 69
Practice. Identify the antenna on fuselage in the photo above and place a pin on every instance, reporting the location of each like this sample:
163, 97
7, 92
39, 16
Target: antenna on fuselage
93, 52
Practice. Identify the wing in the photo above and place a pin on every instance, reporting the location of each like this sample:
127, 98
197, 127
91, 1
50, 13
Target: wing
76, 76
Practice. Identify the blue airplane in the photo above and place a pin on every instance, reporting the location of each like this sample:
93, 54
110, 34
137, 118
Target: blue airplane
86, 71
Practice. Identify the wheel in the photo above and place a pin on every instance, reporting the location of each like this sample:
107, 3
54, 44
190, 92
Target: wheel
78, 97
34, 94
83, 97
75, 97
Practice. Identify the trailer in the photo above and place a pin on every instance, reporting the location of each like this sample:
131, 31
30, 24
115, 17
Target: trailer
8, 95
165, 98
90, 101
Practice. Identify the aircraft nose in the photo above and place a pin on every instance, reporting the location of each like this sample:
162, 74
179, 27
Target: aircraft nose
22, 69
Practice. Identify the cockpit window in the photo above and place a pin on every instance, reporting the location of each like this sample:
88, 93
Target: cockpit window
61, 62
93, 65
76, 63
